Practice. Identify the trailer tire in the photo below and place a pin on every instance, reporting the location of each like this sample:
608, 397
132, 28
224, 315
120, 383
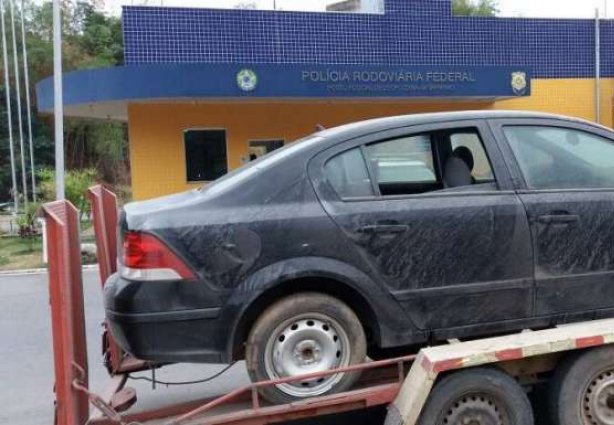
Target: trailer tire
305, 333
582, 389
481, 396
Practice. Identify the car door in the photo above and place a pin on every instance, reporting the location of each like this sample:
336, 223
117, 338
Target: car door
451, 256
565, 176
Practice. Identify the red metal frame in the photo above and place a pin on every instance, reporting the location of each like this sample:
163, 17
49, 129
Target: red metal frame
379, 391
67, 315
104, 217
336, 403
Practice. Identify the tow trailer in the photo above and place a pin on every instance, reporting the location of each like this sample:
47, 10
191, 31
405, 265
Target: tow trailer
473, 382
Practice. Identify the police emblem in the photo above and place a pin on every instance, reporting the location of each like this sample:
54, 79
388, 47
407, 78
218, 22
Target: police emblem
247, 80
519, 82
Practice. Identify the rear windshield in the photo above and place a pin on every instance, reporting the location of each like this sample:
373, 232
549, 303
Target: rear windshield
246, 171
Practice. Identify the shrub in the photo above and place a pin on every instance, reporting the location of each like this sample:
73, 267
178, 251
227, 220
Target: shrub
26, 222
76, 182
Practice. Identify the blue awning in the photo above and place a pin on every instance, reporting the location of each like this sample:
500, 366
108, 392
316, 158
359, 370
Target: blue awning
171, 82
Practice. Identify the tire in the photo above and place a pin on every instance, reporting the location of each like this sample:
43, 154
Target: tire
300, 334
480, 396
582, 389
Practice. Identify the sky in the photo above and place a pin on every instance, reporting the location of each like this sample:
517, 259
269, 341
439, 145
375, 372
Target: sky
556, 8
524, 8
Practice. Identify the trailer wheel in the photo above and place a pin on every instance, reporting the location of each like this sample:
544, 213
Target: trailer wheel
480, 396
300, 334
582, 389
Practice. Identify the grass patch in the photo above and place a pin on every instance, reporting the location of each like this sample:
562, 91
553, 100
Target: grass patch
27, 253
21, 253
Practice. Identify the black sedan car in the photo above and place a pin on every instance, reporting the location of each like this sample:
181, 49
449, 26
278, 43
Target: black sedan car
385, 234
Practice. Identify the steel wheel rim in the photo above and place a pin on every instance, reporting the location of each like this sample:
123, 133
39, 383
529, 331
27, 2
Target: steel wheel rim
307, 343
598, 400
475, 409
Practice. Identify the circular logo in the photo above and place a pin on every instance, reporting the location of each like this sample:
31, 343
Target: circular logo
247, 80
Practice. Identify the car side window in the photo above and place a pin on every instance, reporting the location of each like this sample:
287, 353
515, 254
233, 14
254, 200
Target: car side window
347, 173
446, 160
404, 165
562, 158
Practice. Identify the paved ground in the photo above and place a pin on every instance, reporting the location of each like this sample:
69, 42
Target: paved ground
26, 368
26, 365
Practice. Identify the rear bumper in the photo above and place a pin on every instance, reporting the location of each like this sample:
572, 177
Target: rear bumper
151, 322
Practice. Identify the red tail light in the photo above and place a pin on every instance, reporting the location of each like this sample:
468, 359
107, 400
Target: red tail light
146, 253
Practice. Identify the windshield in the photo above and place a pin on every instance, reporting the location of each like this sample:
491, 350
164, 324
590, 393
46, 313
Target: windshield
246, 171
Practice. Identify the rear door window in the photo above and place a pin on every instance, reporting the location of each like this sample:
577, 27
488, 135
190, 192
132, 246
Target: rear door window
404, 165
413, 164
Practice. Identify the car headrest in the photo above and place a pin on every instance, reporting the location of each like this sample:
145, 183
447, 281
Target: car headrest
464, 153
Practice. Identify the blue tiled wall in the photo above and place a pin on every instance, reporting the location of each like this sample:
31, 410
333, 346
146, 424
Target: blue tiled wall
411, 32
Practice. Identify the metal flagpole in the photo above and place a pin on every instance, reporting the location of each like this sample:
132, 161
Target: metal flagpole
9, 115
26, 76
597, 67
24, 173
58, 107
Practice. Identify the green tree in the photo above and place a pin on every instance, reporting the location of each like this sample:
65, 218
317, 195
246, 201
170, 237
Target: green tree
91, 39
43, 145
475, 7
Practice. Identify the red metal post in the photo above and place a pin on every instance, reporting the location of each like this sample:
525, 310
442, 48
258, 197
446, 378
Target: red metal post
67, 315
104, 212
104, 216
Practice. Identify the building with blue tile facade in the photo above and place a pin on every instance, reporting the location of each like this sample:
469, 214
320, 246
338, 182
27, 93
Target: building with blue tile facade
410, 32
272, 76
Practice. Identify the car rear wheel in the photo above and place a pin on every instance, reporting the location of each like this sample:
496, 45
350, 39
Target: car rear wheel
300, 334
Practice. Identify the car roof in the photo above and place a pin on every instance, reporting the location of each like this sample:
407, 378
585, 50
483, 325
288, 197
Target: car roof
379, 124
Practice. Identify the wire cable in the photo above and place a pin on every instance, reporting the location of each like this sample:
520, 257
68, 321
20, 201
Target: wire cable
199, 381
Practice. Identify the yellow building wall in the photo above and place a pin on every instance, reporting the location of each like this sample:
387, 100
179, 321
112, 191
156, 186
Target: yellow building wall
573, 97
156, 130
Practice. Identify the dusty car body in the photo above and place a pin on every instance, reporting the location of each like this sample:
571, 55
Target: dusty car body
520, 234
